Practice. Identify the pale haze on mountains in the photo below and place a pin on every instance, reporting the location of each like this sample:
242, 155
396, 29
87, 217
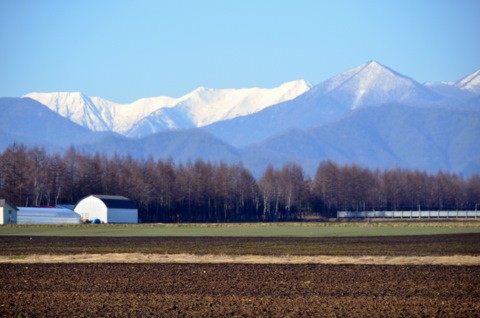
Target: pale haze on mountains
370, 115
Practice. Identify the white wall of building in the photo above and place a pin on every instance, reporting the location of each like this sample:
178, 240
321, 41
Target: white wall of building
8, 214
91, 208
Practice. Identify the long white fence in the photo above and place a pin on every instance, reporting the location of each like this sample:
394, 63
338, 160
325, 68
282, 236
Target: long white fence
408, 214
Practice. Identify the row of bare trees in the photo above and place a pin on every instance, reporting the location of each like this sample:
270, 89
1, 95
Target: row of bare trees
351, 188
217, 192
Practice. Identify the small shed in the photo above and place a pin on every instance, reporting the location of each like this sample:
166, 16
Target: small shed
8, 213
50, 215
107, 209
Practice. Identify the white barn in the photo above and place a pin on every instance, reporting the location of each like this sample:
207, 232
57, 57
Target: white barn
8, 213
107, 209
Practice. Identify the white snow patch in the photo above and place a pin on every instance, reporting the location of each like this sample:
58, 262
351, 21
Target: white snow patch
198, 108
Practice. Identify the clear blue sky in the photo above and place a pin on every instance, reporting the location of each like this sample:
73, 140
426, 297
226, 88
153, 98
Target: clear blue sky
125, 50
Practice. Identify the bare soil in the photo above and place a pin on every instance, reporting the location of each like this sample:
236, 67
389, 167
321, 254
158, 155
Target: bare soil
417, 245
120, 287
238, 290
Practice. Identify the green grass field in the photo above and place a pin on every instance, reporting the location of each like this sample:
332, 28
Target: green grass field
359, 229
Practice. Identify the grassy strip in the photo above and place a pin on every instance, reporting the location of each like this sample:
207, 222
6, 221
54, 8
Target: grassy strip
17, 258
459, 260
459, 244
248, 229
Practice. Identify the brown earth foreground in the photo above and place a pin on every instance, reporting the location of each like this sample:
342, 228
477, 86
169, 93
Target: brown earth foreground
240, 277
238, 290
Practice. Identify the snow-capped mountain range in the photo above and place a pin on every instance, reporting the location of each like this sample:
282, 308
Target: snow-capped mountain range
371, 115
147, 116
368, 84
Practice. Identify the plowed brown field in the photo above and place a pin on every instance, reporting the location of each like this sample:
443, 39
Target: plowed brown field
238, 290
415, 245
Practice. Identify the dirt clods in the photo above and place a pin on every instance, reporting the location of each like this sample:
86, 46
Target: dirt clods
238, 290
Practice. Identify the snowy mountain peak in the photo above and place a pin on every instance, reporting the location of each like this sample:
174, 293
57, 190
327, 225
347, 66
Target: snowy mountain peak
372, 84
375, 64
470, 82
361, 74
375, 69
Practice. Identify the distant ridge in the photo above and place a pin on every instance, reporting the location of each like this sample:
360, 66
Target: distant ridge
147, 116
370, 115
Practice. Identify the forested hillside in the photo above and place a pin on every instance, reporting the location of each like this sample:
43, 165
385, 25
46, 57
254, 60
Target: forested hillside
217, 192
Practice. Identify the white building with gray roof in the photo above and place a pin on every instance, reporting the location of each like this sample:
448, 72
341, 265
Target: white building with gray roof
107, 209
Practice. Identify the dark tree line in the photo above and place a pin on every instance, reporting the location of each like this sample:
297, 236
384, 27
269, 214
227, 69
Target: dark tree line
217, 192
352, 188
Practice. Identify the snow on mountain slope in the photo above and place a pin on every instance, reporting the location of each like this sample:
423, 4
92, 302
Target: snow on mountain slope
161, 120
369, 84
449, 90
195, 109
463, 93
373, 84
470, 83
24, 120
99, 114
204, 106
305, 111
75, 106
122, 117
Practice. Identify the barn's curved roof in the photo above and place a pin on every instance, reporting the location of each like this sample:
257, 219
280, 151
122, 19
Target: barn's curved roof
116, 201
